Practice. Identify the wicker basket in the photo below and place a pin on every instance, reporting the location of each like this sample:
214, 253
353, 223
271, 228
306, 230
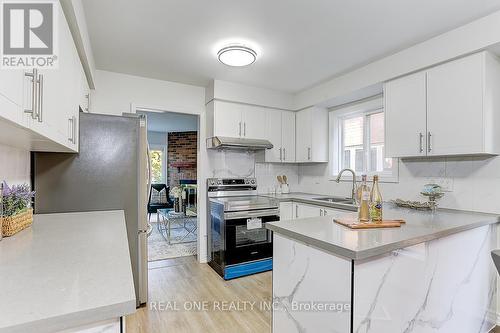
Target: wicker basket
11, 225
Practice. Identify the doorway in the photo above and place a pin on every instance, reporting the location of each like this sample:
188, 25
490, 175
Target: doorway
172, 205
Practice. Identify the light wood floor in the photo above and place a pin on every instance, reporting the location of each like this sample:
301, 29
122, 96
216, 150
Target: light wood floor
180, 281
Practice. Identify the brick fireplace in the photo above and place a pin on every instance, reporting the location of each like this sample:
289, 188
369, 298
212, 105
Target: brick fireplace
181, 156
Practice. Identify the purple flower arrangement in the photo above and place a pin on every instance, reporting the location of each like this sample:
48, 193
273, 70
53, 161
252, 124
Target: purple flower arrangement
15, 198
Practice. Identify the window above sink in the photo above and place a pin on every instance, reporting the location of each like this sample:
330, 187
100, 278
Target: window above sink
357, 139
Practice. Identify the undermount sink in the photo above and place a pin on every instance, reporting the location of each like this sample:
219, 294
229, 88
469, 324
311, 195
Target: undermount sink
347, 201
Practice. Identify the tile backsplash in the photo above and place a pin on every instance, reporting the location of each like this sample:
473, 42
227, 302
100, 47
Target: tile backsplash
14, 165
474, 181
243, 164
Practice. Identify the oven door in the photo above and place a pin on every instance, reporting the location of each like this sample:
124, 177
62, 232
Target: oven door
247, 238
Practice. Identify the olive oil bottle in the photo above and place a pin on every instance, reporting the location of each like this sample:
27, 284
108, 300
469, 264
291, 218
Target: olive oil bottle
364, 201
375, 202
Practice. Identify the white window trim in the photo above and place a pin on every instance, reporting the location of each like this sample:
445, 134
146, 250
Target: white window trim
335, 115
163, 148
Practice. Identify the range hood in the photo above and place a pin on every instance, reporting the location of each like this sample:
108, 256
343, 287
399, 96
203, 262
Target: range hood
222, 142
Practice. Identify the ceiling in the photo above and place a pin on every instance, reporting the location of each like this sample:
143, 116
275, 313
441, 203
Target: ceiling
300, 43
171, 122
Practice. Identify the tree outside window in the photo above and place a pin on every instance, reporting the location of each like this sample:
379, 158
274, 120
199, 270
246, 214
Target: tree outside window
157, 166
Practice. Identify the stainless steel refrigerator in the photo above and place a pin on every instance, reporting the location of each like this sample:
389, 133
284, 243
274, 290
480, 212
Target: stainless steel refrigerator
110, 172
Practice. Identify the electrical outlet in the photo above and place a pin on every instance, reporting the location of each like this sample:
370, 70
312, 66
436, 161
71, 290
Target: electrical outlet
445, 183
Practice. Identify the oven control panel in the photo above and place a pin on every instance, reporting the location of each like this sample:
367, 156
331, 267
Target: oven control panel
231, 181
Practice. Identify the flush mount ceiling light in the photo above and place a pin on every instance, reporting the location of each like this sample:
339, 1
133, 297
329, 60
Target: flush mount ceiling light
237, 55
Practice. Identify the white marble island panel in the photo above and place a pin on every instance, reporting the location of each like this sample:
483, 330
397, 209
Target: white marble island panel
443, 282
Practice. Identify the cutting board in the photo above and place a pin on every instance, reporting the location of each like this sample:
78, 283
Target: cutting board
355, 224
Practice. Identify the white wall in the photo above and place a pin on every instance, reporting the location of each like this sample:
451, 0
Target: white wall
157, 138
239, 93
116, 92
15, 165
475, 36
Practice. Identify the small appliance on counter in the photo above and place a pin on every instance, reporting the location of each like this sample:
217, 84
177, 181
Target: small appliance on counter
239, 243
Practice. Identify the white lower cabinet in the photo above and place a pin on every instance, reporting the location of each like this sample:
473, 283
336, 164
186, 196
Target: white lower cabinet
293, 210
286, 211
107, 326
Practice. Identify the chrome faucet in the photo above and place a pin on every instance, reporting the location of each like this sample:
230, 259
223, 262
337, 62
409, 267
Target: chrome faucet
354, 184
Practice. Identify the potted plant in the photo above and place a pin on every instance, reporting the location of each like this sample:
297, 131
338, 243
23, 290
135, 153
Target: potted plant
15, 211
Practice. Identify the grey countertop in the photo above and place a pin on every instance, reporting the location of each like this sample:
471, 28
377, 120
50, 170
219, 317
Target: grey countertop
421, 226
66, 270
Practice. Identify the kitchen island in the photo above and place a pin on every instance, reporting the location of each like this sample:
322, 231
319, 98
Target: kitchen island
434, 274
68, 272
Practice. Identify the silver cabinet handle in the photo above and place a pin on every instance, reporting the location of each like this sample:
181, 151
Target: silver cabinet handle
296, 211
71, 128
429, 147
87, 96
40, 98
244, 129
33, 77
421, 138
240, 129
281, 155
75, 126
284, 154
308, 153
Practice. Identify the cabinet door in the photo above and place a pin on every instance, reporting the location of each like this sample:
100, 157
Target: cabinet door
227, 119
286, 211
273, 134
305, 211
11, 95
288, 135
58, 90
319, 135
405, 116
254, 120
455, 107
303, 136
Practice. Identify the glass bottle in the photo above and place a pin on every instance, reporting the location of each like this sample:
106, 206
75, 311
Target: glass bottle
375, 202
364, 203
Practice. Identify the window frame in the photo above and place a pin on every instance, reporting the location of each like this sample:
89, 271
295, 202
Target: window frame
163, 149
337, 115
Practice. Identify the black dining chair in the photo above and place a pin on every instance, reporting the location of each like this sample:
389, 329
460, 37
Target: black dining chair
154, 206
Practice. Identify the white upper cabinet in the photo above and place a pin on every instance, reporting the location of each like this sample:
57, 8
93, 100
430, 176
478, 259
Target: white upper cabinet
254, 119
455, 106
274, 131
405, 114
12, 96
42, 110
312, 135
280, 130
236, 120
455, 109
288, 135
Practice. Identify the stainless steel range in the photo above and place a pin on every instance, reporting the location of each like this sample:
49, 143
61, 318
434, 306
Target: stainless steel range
239, 242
